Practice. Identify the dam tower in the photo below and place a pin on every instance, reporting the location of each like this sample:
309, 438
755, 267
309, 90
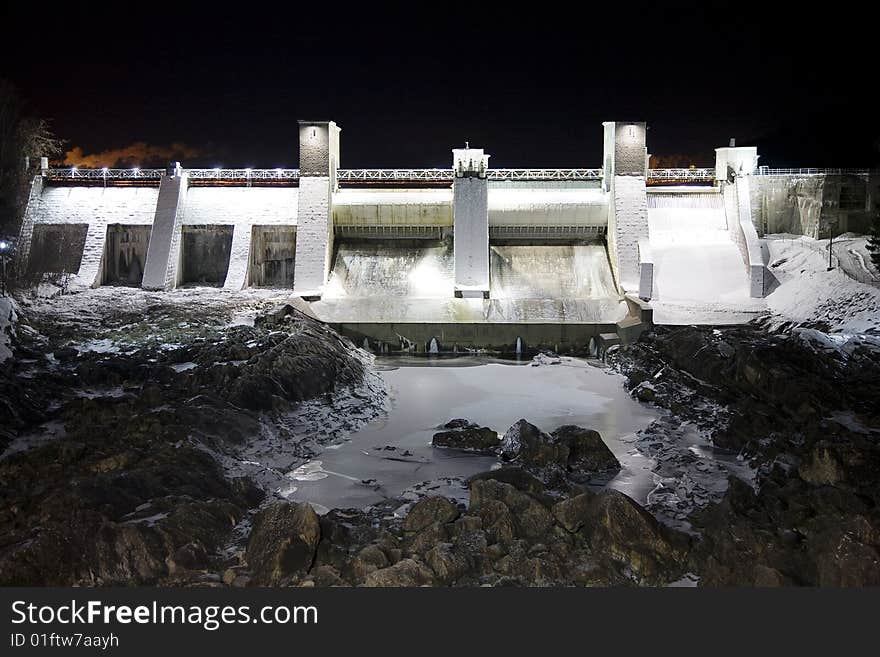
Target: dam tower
318, 166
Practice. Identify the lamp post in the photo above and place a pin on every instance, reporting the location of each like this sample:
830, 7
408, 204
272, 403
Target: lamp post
829, 224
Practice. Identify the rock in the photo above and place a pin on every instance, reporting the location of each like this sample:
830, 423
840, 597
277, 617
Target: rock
618, 529
447, 564
467, 436
498, 521
327, 576
531, 518
532, 447
515, 476
191, 556
425, 539
574, 512
247, 492
369, 559
406, 572
587, 453
283, 542
429, 511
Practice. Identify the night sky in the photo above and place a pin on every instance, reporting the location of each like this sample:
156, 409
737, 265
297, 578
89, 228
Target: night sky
530, 86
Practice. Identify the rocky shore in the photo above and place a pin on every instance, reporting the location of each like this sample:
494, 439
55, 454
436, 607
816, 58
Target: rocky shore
802, 407
131, 488
159, 461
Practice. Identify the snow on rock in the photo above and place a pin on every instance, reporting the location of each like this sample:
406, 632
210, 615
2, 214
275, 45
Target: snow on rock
8, 319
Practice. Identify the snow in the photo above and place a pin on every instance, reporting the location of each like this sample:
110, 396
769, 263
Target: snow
8, 319
700, 279
809, 293
699, 274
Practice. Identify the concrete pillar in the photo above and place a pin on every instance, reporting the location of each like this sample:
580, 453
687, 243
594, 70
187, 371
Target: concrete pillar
318, 163
160, 268
625, 163
239, 257
470, 202
23, 249
92, 262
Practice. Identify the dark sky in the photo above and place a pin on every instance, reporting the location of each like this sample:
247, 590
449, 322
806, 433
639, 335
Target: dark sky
531, 86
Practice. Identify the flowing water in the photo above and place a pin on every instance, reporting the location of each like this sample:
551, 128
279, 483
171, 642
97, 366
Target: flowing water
393, 456
386, 282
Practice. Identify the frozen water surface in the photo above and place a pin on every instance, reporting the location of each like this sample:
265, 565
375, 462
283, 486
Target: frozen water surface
393, 456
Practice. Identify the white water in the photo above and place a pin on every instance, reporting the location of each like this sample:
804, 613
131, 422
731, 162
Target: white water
389, 283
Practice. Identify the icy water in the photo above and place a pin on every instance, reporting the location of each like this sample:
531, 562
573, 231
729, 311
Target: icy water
393, 456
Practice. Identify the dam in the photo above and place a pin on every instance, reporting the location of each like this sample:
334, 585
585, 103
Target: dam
441, 260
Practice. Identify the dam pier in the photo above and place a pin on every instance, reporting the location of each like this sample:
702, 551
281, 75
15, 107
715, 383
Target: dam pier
443, 260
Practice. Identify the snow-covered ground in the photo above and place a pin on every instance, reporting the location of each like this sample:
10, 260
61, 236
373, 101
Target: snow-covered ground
807, 292
707, 284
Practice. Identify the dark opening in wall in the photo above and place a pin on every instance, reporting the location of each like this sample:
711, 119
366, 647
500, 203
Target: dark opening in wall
273, 252
124, 254
57, 248
205, 253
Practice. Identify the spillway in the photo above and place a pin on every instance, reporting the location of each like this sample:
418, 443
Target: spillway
687, 218
377, 269
551, 272
398, 292
695, 259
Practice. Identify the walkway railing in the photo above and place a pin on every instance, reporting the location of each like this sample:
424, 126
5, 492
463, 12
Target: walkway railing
683, 175
767, 171
344, 175
424, 175
75, 173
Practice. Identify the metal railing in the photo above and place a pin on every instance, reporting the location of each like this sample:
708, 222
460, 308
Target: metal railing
343, 175
378, 175
75, 173
447, 175
767, 171
242, 174
545, 174
687, 175
428, 175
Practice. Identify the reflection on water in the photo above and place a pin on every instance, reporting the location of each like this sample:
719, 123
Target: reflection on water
392, 455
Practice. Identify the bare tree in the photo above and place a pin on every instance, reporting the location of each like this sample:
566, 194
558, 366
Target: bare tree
22, 136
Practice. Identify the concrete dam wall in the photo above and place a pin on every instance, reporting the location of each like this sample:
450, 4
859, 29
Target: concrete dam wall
411, 250
811, 204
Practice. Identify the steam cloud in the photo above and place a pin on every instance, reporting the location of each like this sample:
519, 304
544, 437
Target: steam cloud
137, 154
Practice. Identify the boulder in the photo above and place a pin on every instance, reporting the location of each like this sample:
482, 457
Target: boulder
406, 572
515, 476
619, 530
467, 436
283, 542
428, 511
587, 452
531, 518
531, 446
